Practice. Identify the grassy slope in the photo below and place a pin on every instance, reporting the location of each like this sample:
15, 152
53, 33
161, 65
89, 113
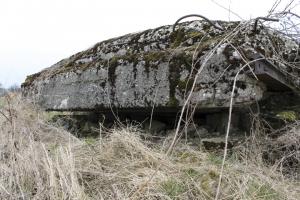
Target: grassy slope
40, 161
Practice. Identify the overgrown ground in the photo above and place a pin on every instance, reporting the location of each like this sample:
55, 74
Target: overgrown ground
41, 161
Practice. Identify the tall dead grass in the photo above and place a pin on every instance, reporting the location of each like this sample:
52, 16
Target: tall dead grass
40, 161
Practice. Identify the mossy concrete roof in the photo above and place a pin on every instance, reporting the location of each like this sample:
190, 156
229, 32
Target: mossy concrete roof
181, 53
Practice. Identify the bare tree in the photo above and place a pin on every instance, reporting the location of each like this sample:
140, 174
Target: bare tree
14, 88
2, 90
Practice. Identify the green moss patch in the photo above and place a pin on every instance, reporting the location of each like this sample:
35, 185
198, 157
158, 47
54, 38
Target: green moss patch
288, 115
30, 79
177, 37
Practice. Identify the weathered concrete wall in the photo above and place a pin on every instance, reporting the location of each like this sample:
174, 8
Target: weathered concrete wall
150, 67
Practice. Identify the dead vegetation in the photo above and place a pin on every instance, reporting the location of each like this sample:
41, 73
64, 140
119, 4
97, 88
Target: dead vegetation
40, 161
269, 49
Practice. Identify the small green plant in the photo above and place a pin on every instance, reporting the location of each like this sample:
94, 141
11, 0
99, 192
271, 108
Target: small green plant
49, 116
289, 116
186, 156
2, 102
214, 159
208, 183
262, 191
90, 140
173, 188
177, 37
191, 173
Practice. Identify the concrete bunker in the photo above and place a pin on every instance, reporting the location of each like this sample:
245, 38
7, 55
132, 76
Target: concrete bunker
151, 73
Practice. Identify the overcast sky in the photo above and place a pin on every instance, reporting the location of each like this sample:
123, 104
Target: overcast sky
35, 34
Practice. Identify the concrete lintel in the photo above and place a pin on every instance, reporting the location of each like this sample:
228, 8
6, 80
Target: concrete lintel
270, 75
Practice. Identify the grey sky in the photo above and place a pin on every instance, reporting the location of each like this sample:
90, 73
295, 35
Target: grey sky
35, 34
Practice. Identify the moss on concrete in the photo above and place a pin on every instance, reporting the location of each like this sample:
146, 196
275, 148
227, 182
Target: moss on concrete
177, 37
30, 79
153, 58
180, 61
185, 85
173, 102
112, 66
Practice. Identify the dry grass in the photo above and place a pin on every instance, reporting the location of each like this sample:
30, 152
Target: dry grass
40, 161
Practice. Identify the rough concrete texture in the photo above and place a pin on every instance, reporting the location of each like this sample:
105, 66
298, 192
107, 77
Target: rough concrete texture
154, 67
